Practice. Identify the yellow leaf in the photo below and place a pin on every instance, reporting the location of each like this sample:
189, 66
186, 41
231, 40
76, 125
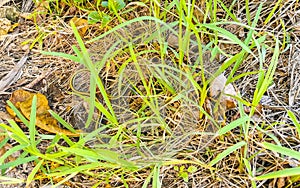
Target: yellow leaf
23, 100
81, 24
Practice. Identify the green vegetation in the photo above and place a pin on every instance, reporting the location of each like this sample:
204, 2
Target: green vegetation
151, 143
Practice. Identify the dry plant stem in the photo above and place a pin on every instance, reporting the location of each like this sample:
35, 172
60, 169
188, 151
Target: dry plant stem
37, 80
13, 75
142, 135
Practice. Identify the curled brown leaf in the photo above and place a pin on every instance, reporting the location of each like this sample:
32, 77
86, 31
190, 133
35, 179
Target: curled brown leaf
23, 100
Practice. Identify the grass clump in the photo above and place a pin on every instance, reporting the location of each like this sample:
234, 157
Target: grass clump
149, 79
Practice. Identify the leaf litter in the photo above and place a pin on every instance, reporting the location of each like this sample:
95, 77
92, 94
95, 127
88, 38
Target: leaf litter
22, 100
245, 87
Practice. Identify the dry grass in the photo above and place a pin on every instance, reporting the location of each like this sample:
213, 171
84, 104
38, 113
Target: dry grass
50, 76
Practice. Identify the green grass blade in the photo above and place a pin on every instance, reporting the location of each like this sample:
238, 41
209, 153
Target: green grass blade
225, 65
86, 60
18, 134
281, 173
103, 110
11, 151
68, 140
282, 150
129, 22
4, 141
295, 121
55, 155
270, 134
148, 179
65, 180
228, 11
238, 77
61, 54
247, 11
253, 25
30, 177
248, 166
247, 42
32, 130
267, 80
92, 98
100, 154
18, 113
62, 121
227, 152
80, 56
271, 14
17, 162
7, 180
90, 155
229, 36
233, 125
249, 171
81, 168
45, 156
156, 182
92, 135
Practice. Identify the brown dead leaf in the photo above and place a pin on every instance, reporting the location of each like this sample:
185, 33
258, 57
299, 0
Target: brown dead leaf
23, 100
219, 101
258, 109
17, 98
281, 182
81, 24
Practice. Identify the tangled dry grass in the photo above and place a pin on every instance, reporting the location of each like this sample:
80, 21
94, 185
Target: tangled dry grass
50, 76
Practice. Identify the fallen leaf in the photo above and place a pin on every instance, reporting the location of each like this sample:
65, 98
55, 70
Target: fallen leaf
219, 101
281, 182
23, 100
81, 24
